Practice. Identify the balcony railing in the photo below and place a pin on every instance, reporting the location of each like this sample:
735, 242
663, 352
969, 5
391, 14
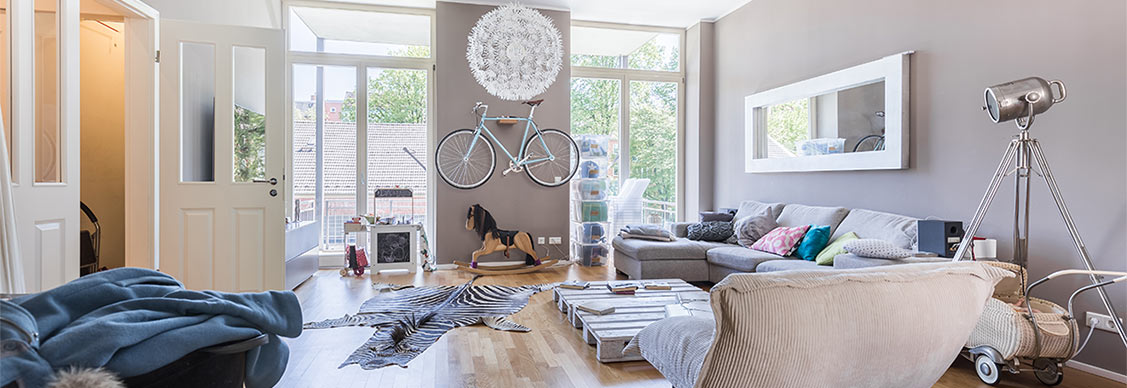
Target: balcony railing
658, 212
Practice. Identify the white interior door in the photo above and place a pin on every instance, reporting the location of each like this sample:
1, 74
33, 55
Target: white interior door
45, 125
221, 156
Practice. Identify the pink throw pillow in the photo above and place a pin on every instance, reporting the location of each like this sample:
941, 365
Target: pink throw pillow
782, 240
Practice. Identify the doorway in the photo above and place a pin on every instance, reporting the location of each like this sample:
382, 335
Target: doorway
102, 133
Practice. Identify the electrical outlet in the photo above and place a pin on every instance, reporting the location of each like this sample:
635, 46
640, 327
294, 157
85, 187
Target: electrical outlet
1101, 321
555, 240
540, 240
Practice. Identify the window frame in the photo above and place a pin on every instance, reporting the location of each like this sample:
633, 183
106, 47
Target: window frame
361, 63
625, 76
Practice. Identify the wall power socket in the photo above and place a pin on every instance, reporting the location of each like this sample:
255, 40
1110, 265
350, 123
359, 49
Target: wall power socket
1101, 321
555, 240
540, 240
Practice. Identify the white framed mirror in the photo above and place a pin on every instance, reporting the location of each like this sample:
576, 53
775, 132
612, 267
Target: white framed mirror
850, 119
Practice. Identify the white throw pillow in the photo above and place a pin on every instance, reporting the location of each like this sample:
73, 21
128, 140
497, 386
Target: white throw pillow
877, 249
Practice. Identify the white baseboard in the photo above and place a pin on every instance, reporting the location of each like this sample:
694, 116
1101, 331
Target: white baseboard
1110, 375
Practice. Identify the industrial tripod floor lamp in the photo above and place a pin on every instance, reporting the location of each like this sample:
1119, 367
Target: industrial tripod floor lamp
1021, 101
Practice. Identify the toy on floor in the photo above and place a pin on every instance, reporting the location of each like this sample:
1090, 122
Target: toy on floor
496, 240
1018, 332
355, 260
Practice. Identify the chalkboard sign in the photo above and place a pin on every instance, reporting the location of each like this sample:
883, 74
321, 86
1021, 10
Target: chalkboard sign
393, 247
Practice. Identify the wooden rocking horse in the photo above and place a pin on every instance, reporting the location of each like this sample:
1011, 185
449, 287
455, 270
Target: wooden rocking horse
495, 240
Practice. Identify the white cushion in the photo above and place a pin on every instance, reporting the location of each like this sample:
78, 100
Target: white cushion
877, 249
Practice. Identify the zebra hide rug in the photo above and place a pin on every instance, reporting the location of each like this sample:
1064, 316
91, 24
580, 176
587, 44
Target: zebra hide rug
409, 320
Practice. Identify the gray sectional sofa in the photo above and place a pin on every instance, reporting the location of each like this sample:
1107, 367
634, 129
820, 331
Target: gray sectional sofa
712, 261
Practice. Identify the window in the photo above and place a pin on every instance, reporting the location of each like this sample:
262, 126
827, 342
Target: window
625, 49
360, 119
626, 84
351, 31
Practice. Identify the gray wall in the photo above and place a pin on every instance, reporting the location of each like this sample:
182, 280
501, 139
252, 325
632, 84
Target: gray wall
700, 117
515, 201
961, 47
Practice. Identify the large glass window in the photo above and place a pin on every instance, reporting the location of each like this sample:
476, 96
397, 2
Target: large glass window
634, 73
653, 146
397, 142
343, 79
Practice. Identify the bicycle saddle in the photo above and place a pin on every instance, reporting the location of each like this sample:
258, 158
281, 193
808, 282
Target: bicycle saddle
534, 102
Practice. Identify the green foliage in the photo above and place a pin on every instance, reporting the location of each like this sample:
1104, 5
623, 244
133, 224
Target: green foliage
250, 145
394, 95
788, 123
653, 137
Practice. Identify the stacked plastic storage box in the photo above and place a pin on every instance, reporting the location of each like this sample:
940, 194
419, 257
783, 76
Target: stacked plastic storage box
590, 204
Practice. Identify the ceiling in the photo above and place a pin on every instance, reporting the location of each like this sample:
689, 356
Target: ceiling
665, 13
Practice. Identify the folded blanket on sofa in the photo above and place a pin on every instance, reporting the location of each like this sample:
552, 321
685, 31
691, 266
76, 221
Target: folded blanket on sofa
646, 232
132, 321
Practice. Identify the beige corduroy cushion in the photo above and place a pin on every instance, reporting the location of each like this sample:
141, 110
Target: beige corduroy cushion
895, 326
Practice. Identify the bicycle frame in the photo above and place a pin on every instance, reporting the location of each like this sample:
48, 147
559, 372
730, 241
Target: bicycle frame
519, 160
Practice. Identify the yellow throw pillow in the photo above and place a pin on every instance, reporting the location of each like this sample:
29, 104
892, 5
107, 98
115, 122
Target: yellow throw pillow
826, 256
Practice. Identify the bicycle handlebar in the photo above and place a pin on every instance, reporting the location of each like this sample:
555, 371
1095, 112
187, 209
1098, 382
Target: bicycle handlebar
479, 106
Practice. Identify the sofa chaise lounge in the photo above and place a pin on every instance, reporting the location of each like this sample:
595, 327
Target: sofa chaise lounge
712, 261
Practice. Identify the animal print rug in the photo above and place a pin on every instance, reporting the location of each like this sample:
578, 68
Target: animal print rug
409, 320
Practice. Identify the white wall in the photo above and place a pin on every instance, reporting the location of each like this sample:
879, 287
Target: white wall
103, 135
251, 13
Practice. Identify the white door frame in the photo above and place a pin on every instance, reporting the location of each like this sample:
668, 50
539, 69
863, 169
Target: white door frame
142, 135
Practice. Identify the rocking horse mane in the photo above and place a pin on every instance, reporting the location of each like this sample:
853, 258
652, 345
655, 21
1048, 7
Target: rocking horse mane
483, 222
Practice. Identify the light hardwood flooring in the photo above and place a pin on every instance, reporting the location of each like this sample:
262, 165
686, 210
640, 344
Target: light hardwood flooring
552, 355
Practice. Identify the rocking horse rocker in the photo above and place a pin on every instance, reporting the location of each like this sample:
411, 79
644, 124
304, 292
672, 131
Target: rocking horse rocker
495, 240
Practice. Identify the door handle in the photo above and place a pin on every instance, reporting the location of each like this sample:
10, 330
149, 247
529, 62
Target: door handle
271, 181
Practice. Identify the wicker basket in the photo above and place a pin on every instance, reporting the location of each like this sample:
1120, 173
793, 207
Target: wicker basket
1008, 330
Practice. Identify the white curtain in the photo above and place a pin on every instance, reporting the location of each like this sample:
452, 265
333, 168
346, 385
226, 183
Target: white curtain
11, 265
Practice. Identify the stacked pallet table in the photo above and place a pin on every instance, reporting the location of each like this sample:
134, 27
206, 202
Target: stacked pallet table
611, 332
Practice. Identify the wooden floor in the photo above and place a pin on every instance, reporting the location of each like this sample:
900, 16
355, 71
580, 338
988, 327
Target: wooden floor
552, 355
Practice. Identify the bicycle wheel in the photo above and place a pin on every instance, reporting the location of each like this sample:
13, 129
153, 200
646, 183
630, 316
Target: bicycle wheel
564, 160
462, 167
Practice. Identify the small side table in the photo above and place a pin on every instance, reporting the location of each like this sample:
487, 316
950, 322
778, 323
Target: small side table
398, 248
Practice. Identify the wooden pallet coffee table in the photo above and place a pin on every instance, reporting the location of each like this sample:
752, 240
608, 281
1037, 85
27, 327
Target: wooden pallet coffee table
611, 332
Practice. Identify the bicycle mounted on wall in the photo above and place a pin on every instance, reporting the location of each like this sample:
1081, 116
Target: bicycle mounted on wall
466, 158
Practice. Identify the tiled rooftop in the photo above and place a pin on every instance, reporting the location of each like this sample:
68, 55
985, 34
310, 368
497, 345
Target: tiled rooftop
388, 164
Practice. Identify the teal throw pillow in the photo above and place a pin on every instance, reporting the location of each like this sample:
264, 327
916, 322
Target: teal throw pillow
816, 239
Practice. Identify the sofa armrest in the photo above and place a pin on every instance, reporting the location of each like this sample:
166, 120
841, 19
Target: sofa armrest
676, 347
680, 229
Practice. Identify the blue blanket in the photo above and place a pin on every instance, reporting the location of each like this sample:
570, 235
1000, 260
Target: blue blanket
132, 321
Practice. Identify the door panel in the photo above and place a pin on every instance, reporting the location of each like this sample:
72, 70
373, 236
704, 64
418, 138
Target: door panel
221, 144
50, 244
45, 125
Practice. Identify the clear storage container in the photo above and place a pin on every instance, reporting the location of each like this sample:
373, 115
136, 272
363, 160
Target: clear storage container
593, 146
591, 189
821, 146
592, 169
591, 211
590, 254
590, 232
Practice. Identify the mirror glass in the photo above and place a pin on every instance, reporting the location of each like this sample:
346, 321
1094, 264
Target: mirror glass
843, 121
